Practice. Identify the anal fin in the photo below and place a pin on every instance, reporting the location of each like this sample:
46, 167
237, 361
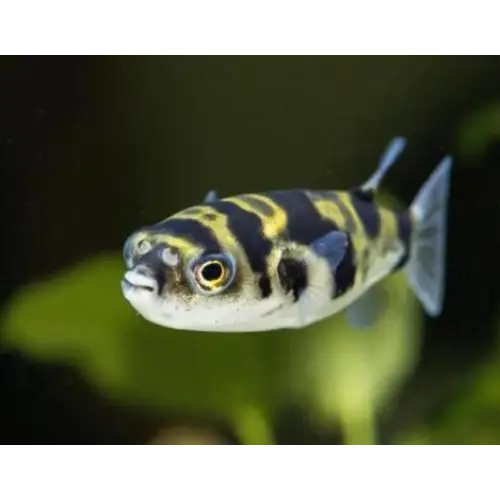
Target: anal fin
368, 308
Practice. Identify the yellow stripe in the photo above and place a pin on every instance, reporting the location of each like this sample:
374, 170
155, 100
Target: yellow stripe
337, 207
388, 229
274, 223
217, 222
358, 229
330, 210
358, 236
213, 220
341, 212
187, 248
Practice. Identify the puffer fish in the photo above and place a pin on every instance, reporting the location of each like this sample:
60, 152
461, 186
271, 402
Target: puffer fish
287, 259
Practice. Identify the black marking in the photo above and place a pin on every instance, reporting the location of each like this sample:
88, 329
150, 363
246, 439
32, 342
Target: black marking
367, 195
368, 214
306, 225
404, 223
265, 286
191, 230
151, 265
292, 274
345, 274
247, 229
257, 205
210, 217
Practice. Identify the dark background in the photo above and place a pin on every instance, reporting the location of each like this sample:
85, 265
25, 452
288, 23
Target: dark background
91, 148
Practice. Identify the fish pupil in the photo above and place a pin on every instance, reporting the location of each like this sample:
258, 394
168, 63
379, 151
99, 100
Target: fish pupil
211, 271
292, 274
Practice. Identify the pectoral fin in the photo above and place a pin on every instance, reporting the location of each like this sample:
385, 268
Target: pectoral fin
368, 309
332, 247
211, 196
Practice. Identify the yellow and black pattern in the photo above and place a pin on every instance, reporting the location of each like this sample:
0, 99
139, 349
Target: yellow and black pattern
249, 230
252, 225
308, 221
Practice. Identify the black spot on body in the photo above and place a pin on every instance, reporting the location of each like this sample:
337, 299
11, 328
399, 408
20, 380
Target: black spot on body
367, 195
292, 275
265, 286
368, 214
247, 229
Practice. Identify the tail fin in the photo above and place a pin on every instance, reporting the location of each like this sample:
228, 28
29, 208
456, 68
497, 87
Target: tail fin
425, 269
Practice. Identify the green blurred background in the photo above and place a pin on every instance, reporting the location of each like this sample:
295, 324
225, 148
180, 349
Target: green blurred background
93, 147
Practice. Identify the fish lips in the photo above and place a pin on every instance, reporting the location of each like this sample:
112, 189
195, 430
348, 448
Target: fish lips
148, 275
144, 278
139, 280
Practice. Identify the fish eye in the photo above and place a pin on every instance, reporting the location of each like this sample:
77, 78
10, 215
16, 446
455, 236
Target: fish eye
213, 274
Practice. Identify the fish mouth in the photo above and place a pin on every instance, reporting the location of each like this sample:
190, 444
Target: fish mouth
135, 281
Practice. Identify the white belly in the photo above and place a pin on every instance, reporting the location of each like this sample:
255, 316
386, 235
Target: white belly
277, 312
316, 303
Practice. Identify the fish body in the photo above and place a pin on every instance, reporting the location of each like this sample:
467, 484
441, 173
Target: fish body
287, 259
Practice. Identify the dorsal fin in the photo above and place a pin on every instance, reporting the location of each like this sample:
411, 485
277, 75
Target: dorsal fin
211, 196
391, 153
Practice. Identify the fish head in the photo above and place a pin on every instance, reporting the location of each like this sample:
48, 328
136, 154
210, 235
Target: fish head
177, 282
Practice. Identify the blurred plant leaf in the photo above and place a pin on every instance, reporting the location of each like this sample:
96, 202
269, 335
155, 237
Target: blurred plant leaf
76, 315
479, 129
188, 435
80, 316
472, 418
350, 374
